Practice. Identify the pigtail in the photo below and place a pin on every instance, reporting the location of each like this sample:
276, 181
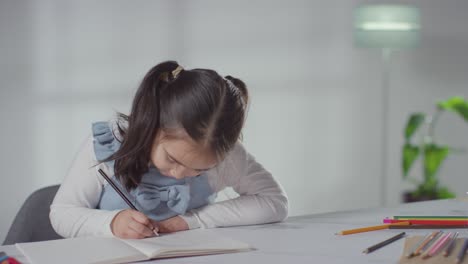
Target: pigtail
242, 89
131, 160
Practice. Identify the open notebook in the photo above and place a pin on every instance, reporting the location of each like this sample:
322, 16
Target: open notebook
114, 250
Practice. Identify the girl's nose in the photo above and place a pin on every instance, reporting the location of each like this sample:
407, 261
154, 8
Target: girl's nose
177, 172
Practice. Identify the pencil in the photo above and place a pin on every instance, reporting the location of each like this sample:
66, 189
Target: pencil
368, 228
432, 242
462, 252
436, 246
427, 221
426, 226
425, 243
441, 245
117, 189
412, 251
383, 243
406, 217
451, 245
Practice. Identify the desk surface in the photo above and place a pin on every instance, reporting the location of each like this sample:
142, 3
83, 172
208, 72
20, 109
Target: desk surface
303, 239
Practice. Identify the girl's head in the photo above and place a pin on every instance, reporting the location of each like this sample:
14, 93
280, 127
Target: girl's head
182, 121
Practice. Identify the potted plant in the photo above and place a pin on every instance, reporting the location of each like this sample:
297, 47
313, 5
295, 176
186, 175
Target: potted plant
432, 154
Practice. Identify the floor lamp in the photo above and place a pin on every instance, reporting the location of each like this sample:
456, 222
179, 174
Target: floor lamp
387, 28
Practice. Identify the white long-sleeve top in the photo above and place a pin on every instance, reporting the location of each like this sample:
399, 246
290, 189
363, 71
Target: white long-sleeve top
261, 198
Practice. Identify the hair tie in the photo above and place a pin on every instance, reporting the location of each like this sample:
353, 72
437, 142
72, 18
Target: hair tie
165, 75
176, 72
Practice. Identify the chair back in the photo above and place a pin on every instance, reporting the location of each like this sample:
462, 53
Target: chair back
32, 222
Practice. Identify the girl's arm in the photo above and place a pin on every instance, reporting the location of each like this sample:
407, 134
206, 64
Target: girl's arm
261, 200
72, 212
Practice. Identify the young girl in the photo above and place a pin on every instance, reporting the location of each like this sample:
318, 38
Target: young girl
177, 148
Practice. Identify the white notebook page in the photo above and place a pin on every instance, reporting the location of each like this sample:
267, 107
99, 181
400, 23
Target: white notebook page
80, 250
185, 243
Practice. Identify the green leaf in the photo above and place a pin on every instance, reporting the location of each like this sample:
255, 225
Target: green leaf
410, 153
455, 104
433, 157
445, 193
414, 122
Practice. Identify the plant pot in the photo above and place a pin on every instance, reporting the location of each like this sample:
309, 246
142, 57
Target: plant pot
408, 197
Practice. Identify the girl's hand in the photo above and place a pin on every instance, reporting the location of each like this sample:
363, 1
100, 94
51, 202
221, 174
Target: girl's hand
132, 224
173, 224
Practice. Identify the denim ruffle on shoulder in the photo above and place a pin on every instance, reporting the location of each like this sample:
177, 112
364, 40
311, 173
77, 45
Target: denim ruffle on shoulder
105, 144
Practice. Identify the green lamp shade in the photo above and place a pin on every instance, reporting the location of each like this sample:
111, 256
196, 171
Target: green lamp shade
386, 26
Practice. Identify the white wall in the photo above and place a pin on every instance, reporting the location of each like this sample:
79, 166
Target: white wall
315, 118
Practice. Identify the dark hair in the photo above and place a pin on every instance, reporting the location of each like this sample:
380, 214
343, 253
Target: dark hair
211, 109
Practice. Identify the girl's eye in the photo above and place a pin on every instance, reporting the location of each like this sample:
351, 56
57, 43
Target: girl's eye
170, 159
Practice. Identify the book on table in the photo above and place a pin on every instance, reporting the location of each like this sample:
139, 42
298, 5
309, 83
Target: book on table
115, 250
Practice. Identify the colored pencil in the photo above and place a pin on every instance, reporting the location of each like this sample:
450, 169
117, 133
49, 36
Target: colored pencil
383, 243
427, 222
432, 242
462, 252
427, 226
117, 189
405, 217
368, 228
437, 246
425, 243
451, 245
416, 246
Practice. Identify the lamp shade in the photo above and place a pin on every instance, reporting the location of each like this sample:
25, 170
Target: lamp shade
387, 26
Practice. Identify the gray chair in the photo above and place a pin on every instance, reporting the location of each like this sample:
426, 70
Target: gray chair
32, 221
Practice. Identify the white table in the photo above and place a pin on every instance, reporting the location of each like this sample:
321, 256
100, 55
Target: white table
312, 239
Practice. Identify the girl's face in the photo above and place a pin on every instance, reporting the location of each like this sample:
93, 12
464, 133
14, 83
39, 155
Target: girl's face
180, 157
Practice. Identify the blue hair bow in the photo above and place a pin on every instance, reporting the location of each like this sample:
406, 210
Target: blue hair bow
177, 197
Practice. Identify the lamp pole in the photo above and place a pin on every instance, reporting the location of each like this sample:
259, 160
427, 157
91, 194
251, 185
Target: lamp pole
386, 52
387, 27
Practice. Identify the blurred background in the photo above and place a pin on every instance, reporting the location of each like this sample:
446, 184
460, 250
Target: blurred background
318, 111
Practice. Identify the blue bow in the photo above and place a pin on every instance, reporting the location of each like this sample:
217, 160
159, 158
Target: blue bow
177, 197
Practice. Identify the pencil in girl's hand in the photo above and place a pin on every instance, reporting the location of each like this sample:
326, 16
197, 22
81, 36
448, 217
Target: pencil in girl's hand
451, 245
383, 243
117, 189
369, 228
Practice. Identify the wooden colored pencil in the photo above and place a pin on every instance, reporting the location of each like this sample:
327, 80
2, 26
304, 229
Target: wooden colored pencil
451, 245
427, 226
405, 217
462, 252
436, 246
383, 243
425, 243
432, 242
416, 246
427, 222
369, 228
